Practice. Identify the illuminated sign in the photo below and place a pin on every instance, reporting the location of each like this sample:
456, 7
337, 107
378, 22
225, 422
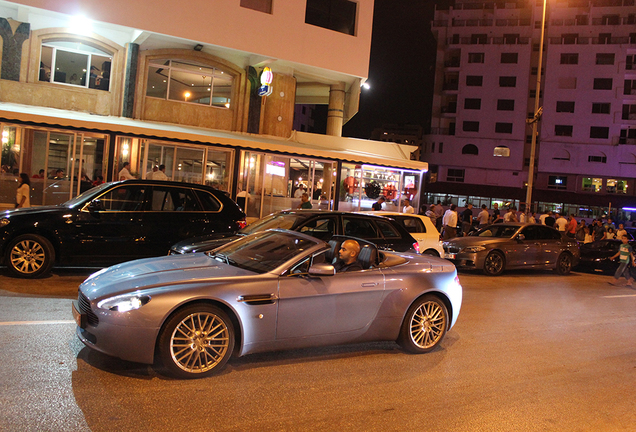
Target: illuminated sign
267, 76
276, 168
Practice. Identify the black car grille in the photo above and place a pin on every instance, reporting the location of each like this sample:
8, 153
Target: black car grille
85, 307
451, 249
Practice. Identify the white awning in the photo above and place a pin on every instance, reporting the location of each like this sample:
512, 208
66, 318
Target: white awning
299, 143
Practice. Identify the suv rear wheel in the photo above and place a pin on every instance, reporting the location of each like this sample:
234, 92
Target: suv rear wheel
30, 256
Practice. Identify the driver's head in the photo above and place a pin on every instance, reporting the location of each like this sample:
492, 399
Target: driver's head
349, 251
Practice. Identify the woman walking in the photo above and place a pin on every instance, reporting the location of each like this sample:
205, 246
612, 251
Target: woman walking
23, 194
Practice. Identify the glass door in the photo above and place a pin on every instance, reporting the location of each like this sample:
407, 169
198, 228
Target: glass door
188, 165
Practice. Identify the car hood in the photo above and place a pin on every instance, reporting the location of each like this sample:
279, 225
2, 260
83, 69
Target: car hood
33, 210
157, 272
203, 243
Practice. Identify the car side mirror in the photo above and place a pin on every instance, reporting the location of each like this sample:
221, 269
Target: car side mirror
322, 269
521, 237
95, 206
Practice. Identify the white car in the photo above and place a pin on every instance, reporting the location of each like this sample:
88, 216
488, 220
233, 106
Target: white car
420, 227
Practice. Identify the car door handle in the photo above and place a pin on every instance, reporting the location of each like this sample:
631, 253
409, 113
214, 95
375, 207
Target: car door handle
257, 299
370, 284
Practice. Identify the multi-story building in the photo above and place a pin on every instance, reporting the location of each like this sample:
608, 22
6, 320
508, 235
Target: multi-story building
206, 88
486, 80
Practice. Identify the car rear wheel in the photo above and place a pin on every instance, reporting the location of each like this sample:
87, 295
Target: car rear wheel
494, 264
30, 256
424, 326
196, 341
564, 264
431, 252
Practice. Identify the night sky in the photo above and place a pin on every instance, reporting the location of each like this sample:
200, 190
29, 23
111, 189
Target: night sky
401, 68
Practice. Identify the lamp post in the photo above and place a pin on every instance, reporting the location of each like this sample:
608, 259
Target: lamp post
537, 114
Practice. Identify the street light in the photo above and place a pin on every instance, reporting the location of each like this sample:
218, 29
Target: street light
537, 114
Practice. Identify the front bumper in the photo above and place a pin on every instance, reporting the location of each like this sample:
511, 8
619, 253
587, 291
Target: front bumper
464, 260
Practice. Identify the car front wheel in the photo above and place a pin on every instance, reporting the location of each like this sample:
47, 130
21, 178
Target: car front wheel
30, 256
424, 326
494, 264
197, 341
564, 264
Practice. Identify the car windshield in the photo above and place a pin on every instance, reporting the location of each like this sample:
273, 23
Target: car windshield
498, 231
86, 196
262, 252
282, 221
603, 245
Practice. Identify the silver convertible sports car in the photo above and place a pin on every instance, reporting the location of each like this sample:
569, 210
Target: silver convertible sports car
267, 291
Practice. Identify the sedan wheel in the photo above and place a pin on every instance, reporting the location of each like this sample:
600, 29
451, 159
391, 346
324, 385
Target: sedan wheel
564, 264
424, 326
494, 264
30, 256
196, 341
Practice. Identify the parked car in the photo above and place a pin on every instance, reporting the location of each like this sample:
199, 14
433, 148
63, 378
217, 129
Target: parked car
112, 223
268, 291
595, 256
498, 247
420, 227
386, 233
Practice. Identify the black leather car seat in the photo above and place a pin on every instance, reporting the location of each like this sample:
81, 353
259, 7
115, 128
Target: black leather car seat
368, 256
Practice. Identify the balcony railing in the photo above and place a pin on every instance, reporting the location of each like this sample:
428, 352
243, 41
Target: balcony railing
488, 41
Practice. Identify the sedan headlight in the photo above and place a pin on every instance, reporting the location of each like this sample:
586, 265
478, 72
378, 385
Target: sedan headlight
4, 222
473, 249
124, 303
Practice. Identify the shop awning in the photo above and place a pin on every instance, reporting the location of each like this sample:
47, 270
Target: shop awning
299, 143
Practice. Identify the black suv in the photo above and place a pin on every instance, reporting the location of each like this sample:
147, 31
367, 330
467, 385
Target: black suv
112, 223
385, 232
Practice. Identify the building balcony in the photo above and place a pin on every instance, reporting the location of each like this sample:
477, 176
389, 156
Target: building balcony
451, 108
488, 41
451, 85
442, 131
452, 63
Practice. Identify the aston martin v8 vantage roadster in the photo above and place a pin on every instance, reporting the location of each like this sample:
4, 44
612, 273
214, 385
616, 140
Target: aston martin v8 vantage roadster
268, 291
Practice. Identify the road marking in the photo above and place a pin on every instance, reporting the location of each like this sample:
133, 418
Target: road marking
36, 322
620, 296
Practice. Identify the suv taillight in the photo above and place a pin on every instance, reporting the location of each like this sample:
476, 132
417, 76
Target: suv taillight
242, 223
416, 246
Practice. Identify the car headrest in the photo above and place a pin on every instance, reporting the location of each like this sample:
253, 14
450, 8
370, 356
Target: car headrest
332, 254
368, 257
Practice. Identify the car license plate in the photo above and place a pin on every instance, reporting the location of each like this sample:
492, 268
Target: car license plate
449, 256
79, 317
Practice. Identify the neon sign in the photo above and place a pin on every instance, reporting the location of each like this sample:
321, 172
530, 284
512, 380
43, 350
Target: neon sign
267, 76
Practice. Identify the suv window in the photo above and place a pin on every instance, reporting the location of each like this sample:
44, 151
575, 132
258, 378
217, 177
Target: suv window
166, 198
209, 201
124, 198
322, 228
387, 230
359, 227
412, 224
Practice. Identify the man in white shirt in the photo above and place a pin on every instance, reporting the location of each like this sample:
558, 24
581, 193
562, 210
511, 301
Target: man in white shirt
450, 223
542, 218
160, 174
125, 174
408, 208
561, 223
483, 216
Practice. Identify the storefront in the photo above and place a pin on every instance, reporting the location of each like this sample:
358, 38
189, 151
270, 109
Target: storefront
263, 174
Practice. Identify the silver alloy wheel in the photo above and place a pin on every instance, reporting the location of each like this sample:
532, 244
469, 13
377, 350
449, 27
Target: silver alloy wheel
27, 256
199, 342
428, 324
494, 263
564, 264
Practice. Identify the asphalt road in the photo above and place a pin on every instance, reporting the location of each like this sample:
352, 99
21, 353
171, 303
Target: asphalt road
531, 351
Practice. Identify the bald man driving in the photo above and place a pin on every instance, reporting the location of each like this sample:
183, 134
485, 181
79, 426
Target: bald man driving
348, 257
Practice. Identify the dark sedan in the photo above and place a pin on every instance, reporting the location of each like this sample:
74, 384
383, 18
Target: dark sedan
113, 223
595, 256
385, 232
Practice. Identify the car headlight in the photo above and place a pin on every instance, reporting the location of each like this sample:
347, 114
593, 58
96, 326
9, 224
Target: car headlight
473, 249
124, 303
4, 222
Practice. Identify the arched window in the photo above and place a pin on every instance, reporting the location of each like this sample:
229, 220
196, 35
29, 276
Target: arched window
561, 154
501, 151
628, 158
470, 149
597, 157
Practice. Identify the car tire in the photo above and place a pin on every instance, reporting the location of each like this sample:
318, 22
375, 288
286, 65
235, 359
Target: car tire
494, 263
29, 256
564, 264
196, 341
424, 325
431, 252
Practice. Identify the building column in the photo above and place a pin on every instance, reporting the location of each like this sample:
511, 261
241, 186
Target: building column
132, 55
335, 113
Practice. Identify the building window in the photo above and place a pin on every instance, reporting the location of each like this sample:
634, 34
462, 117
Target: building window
505, 104
507, 81
616, 186
563, 130
630, 85
603, 83
337, 15
472, 104
440, 148
501, 151
470, 126
601, 108
503, 128
470, 149
565, 106
591, 184
476, 57
75, 63
557, 182
597, 158
605, 58
563, 155
474, 80
186, 81
629, 112
569, 38
509, 57
479, 38
599, 132
569, 58
258, 5
455, 175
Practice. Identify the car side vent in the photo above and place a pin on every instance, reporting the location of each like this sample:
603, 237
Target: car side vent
85, 307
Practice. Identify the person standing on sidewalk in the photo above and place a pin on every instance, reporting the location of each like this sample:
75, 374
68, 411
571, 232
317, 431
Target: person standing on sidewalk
626, 259
450, 223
